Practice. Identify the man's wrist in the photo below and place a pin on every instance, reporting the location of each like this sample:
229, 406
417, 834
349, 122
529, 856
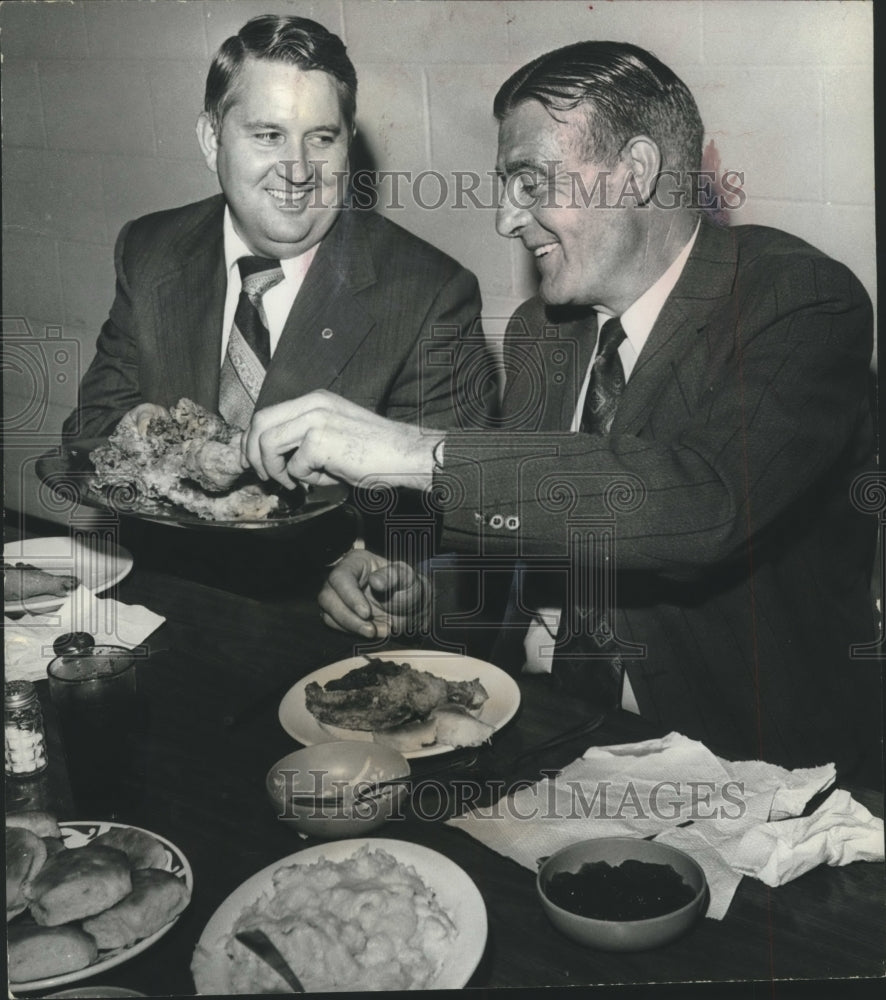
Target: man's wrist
421, 460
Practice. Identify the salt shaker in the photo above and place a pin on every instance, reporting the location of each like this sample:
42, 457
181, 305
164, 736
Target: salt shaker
25, 740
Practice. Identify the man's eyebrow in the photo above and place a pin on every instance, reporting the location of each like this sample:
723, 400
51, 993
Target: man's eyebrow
523, 163
276, 127
264, 125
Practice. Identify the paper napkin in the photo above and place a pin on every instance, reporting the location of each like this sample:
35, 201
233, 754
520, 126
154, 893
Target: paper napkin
28, 641
730, 816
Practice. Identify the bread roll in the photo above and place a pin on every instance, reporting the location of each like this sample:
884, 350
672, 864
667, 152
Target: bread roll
36, 820
156, 898
25, 856
77, 883
40, 952
143, 850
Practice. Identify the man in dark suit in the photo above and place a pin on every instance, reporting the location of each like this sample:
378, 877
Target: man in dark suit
685, 415
353, 300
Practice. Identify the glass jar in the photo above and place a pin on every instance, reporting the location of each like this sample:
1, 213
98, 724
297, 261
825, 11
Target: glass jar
25, 741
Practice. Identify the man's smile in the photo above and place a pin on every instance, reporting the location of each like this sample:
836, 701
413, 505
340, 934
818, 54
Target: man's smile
290, 198
542, 251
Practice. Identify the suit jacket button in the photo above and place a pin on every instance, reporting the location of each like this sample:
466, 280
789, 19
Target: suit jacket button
512, 523
326, 333
496, 521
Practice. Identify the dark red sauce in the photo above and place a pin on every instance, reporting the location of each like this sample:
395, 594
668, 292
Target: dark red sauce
633, 890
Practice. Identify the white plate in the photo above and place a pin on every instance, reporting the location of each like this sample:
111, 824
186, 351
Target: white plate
498, 709
78, 834
454, 890
64, 556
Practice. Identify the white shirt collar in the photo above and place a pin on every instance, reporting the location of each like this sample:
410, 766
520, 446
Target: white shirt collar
235, 248
639, 318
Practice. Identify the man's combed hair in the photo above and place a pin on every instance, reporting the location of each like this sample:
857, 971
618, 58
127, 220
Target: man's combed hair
294, 40
626, 92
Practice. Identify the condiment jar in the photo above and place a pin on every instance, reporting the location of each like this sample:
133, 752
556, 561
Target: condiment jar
25, 741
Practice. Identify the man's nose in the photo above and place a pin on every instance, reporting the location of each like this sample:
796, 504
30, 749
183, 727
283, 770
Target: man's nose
295, 166
510, 218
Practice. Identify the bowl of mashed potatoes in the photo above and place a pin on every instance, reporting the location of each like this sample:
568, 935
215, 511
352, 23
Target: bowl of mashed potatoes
350, 916
338, 779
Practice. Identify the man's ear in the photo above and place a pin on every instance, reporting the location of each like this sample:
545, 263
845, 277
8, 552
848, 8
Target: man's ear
643, 160
207, 137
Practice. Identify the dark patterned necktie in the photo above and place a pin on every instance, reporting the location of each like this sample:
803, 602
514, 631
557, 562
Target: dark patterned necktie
597, 678
249, 345
607, 380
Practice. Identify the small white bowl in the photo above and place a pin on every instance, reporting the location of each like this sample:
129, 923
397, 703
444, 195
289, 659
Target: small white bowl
623, 935
335, 770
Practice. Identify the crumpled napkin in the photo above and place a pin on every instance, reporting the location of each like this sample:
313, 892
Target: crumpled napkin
728, 815
28, 641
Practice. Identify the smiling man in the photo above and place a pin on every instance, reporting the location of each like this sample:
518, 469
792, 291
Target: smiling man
277, 286
685, 415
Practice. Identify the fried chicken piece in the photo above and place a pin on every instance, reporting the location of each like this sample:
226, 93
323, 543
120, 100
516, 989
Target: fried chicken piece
190, 457
198, 424
213, 465
383, 694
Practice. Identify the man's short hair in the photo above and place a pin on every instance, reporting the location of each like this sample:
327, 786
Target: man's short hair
626, 92
294, 40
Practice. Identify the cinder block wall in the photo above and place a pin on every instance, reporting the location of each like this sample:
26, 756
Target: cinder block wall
100, 98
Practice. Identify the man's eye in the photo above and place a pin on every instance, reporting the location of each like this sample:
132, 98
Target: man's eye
322, 140
267, 137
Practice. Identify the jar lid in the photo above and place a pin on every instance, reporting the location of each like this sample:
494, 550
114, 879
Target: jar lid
19, 693
73, 642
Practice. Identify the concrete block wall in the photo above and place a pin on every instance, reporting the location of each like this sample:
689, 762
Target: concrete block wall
100, 98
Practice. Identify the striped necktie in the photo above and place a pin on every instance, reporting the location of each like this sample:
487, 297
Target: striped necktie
249, 344
607, 380
597, 678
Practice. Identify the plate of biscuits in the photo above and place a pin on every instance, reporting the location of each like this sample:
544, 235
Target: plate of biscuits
85, 896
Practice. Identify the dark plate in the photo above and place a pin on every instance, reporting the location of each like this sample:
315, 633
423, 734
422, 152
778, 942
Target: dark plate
70, 474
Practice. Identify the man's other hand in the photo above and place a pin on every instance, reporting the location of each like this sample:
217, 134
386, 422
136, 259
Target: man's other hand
321, 438
144, 413
370, 596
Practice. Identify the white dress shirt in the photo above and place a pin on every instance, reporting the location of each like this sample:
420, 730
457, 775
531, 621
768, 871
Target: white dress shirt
637, 321
277, 301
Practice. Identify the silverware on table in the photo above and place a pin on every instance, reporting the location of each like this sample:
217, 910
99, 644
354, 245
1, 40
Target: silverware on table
582, 729
260, 944
376, 788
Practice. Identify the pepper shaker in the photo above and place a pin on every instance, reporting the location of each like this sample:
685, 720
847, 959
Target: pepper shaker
25, 740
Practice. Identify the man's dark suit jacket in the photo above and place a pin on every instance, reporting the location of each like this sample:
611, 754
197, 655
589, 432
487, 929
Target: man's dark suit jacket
376, 304
742, 564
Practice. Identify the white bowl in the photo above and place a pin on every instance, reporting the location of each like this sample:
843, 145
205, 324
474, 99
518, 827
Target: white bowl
333, 771
623, 935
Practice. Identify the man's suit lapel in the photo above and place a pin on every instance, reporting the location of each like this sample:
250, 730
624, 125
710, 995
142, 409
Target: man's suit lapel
327, 323
706, 281
189, 308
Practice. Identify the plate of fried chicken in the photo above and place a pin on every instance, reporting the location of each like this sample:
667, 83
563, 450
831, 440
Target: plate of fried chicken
183, 468
421, 702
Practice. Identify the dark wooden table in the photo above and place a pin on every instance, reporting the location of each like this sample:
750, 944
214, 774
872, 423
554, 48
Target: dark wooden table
212, 684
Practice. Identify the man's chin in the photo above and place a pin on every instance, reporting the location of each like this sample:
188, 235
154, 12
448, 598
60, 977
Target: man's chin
553, 294
290, 241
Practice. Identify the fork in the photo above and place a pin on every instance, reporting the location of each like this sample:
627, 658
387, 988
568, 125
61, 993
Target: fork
376, 788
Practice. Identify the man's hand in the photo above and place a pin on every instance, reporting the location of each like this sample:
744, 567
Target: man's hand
322, 438
144, 413
370, 596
